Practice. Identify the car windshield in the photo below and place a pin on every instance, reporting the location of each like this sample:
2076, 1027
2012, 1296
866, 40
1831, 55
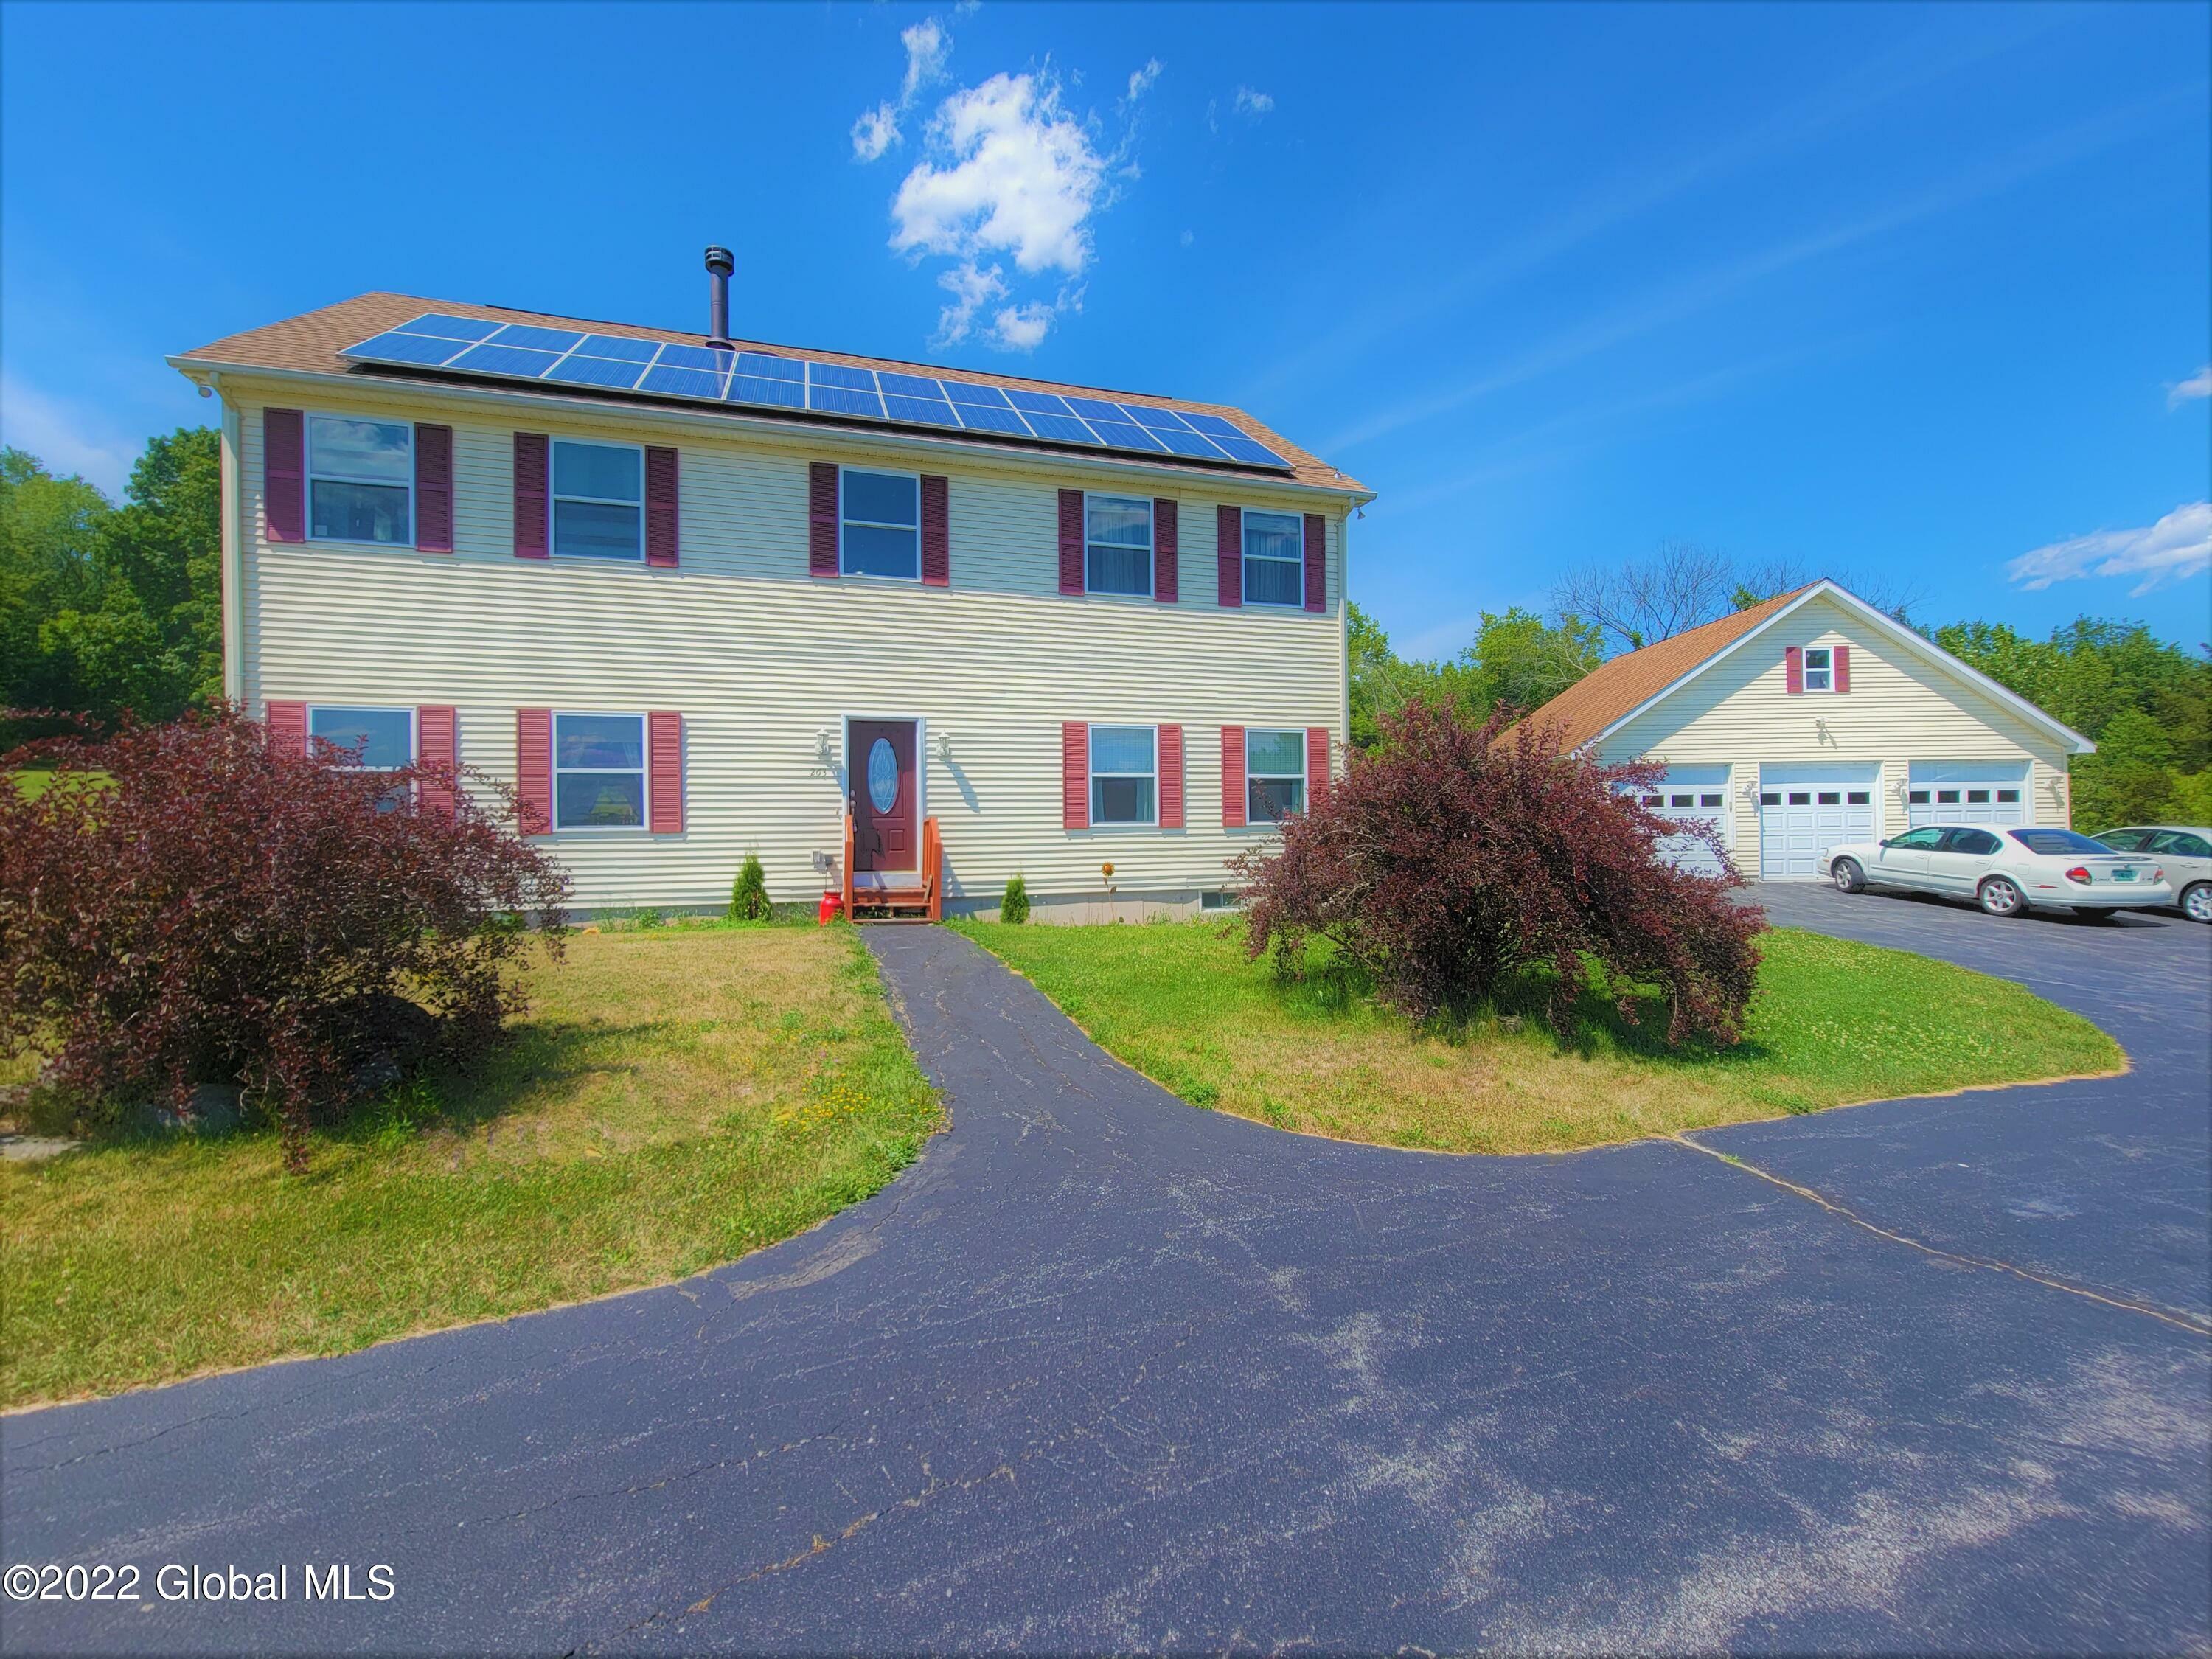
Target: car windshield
2063, 842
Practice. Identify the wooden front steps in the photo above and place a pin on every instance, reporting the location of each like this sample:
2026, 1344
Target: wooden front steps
922, 901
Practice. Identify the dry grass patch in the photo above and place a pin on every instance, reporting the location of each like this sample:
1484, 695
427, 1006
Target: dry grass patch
676, 1098
1833, 1022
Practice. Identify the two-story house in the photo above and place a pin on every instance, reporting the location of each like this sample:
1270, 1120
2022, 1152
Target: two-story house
697, 598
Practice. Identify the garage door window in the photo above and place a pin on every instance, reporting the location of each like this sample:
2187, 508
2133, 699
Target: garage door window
1947, 798
2008, 797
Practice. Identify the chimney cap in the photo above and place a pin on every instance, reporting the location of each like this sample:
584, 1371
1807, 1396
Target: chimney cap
720, 260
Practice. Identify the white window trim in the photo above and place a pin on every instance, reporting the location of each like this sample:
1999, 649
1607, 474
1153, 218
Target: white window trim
1827, 686
1151, 544
414, 733
644, 825
1245, 557
308, 475
1305, 783
846, 473
1091, 774
555, 497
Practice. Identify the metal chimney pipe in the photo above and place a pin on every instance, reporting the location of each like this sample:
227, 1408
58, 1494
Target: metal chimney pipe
720, 265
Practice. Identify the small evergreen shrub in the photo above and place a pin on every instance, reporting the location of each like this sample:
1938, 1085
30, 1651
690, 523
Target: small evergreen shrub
1015, 905
748, 892
1461, 857
209, 908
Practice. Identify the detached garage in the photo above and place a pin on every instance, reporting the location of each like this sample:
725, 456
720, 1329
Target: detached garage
1813, 719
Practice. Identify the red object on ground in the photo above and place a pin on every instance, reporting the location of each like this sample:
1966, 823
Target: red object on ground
827, 911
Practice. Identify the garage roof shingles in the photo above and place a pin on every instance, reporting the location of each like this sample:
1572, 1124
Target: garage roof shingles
1617, 688
310, 343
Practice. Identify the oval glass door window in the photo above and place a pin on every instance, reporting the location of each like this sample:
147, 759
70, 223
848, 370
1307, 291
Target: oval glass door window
883, 775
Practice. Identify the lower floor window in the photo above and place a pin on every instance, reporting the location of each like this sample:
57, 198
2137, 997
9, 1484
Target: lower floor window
1124, 774
598, 771
1274, 775
366, 740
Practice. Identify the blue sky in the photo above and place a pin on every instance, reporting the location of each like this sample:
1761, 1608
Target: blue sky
1918, 294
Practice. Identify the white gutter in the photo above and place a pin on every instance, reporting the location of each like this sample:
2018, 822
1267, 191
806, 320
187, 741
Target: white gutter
511, 397
233, 566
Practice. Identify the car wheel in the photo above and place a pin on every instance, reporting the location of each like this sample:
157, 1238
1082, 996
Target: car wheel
2001, 896
2197, 902
1847, 875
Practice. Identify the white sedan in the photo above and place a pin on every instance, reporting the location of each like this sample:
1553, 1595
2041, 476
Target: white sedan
2004, 871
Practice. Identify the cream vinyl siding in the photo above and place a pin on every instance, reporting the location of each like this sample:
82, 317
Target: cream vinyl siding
1900, 709
765, 662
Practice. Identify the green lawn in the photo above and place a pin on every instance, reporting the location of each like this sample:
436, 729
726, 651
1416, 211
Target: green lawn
1833, 1022
677, 1097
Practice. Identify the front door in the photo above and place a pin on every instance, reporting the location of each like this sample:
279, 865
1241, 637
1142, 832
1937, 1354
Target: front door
885, 796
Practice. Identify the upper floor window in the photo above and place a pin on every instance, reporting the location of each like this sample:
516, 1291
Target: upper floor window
1274, 559
1118, 551
1124, 774
599, 500
598, 771
1820, 668
880, 533
367, 740
1274, 768
361, 480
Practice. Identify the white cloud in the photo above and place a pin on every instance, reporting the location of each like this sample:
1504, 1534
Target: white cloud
1188, 239
1022, 328
927, 45
876, 131
66, 439
1254, 104
1013, 172
2198, 385
1140, 81
971, 290
2178, 546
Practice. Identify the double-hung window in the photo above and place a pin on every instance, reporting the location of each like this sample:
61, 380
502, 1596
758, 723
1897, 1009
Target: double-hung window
599, 500
880, 529
1118, 545
1274, 559
598, 771
1274, 771
1820, 668
1125, 775
376, 740
361, 480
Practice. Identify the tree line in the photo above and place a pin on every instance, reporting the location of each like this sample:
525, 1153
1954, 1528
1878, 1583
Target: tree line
107, 608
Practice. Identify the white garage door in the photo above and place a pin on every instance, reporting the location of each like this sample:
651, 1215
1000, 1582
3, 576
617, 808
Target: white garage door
1967, 791
1806, 809
1692, 794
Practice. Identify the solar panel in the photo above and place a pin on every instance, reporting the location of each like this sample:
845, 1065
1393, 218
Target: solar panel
763, 380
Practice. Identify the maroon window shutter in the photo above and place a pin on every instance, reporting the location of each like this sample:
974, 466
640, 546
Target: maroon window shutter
1070, 540
822, 518
660, 494
936, 531
1316, 563
664, 757
1233, 771
1166, 552
1229, 554
436, 745
529, 495
286, 723
533, 770
1074, 776
1170, 777
1317, 778
1793, 668
434, 489
284, 474
1842, 658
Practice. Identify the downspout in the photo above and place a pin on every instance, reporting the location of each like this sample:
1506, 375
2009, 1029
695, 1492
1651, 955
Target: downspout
234, 565
1344, 627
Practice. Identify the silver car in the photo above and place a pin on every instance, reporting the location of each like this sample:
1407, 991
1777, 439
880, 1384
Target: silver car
2186, 850
2005, 871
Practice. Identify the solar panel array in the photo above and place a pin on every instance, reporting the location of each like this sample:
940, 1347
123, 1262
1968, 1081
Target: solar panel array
759, 379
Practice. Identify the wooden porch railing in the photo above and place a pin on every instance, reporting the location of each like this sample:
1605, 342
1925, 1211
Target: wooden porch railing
932, 871
845, 867
927, 899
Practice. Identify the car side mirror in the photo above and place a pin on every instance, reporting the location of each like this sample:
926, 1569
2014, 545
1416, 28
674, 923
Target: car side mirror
1885, 844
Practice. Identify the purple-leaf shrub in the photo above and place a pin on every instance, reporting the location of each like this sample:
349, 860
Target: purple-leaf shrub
187, 903
1460, 855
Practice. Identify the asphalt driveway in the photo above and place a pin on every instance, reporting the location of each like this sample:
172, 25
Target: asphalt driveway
1105, 1372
